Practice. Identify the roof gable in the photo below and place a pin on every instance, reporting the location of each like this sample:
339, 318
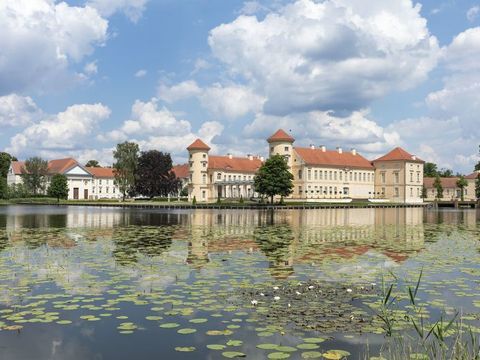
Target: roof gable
399, 154
280, 135
77, 170
332, 158
198, 145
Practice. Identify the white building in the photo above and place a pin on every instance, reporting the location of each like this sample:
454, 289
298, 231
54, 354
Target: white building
84, 183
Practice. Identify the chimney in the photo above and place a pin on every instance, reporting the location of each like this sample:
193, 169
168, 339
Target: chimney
230, 155
250, 157
312, 146
414, 157
339, 149
323, 148
354, 152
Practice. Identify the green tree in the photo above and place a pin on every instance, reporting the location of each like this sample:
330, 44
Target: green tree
424, 192
125, 167
437, 184
92, 163
5, 160
34, 175
274, 178
445, 172
58, 187
17, 191
477, 165
462, 184
3, 188
154, 175
477, 186
430, 169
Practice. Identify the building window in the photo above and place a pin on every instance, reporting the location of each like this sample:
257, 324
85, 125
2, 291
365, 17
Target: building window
219, 176
309, 174
300, 174
418, 176
396, 192
411, 192
113, 190
320, 174
100, 190
287, 148
364, 177
396, 177
351, 176
204, 156
204, 178
100, 181
335, 175
383, 177
411, 176
204, 194
271, 149
330, 175
383, 191
300, 190
341, 175
93, 189
355, 176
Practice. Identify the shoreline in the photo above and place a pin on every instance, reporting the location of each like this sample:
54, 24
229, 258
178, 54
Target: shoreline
176, 206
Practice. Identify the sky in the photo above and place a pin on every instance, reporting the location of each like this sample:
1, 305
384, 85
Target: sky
79, 76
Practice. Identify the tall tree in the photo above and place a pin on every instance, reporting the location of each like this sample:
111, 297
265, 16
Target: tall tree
437, 184
154, 176
274, 178
126, 161
445, 172
5, 160
477, 165
477, 186
34, 174
58, 187
430, 169
3, 188
92, 163
462, 184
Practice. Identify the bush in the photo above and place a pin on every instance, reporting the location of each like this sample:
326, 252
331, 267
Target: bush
241, 199
18, 191
194, 201
3, 188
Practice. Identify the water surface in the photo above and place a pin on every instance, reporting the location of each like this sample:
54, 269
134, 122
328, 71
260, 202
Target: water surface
109, 283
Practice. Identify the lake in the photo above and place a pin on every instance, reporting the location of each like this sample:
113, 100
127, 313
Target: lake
112, 283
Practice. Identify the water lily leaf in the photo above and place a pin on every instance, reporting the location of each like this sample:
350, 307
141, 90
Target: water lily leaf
335, 354
233, 354
278, 355
234, 343
317, 340
186, 331
216, 347
169, 325
311, 355
307, 346
185, 348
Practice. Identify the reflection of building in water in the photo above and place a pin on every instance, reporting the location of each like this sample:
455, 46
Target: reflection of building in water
291, 237
467, 217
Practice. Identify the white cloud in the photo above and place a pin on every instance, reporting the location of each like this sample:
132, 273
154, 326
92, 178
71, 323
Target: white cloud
91, 68
133, 9
355, 130
472, 13
183, 90
67, 131
223, 101
40, 41
292, 56
141, 73
16, 110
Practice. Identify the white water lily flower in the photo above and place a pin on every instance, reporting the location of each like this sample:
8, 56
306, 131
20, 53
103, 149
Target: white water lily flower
349, 290
373, 284
298, 293
289, 305
311, 287
262, 294
276, 298
254, 302
275, 288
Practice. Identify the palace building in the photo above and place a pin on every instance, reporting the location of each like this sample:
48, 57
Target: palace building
319, 174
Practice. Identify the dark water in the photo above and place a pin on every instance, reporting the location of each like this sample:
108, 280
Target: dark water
90, 283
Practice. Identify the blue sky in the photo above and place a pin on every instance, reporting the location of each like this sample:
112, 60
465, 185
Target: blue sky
77, 77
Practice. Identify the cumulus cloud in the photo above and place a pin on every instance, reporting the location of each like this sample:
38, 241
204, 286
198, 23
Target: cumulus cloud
223, 101
472, 13
41, 39
293, 58
133, 9
91, 68
67, 131
155, 127
141, 73
16, 110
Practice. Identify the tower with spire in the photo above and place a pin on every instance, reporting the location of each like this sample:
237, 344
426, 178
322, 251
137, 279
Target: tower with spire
198, 163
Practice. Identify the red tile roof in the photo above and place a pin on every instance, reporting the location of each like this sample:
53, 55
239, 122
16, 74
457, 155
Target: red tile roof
181, 171
101, 172
234, 164
54, 166
60, 166
473, 175
333, 158
447, 182
399, 154
280, 135
17, 167
198, 145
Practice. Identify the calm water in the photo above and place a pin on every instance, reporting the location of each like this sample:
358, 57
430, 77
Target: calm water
89, 283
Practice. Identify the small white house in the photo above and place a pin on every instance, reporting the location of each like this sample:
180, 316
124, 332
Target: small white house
83, 183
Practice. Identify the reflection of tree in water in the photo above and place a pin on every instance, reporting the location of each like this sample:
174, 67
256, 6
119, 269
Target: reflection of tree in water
148, 241
3, 240
275, 242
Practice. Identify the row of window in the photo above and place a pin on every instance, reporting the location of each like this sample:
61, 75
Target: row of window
234, 177
107, 190
335, 175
